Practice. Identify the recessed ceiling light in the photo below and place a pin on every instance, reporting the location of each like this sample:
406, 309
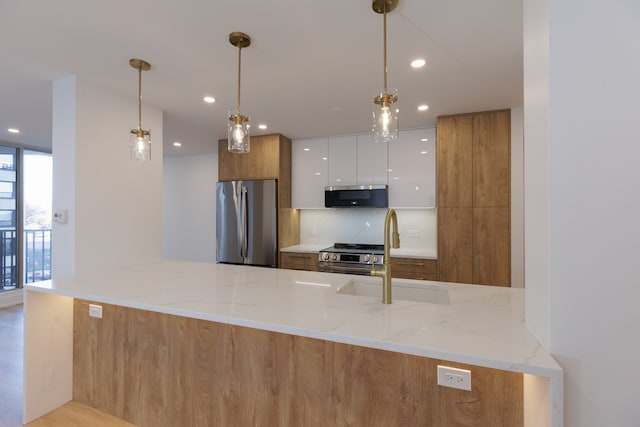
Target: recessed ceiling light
423, 107
389, 170
14, 130
262, 126
177, 144
418, 63
209, 99
424, 139
324, 158
307, 149
423, 152
317, 173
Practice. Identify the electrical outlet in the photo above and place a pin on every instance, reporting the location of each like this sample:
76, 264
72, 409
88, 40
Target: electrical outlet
454, 377
413, 233
95, 311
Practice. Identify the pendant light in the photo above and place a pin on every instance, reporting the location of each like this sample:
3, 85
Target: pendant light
238, 140
140, 146
385, 115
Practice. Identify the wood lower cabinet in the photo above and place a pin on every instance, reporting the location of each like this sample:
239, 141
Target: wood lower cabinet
455, 244
491, 246
299, 261
156, 369
414, 268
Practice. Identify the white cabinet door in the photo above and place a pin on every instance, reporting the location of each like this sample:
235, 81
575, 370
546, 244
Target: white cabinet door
343, 160
412, 169
372, 160
309, 172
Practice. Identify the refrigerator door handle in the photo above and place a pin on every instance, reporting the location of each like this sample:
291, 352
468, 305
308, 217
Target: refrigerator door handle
244, 248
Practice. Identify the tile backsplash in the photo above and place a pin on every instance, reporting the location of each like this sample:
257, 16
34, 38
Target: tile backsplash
417, 227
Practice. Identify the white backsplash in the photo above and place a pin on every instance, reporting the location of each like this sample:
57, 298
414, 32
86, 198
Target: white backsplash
417, 227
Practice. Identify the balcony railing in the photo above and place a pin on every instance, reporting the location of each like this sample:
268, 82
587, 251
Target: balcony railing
8, 260
37, 251
37, 245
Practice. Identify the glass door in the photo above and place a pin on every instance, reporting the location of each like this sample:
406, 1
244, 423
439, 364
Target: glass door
37, 191
8, 216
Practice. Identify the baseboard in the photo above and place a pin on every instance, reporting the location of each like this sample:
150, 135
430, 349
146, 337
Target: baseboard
9, 298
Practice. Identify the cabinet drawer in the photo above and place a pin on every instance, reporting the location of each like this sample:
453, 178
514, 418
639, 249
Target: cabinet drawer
414, 268
299, 261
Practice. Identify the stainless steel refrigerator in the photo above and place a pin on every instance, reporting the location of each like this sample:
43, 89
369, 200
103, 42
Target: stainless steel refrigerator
246, 222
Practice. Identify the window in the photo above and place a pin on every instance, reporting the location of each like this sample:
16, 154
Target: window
25, 246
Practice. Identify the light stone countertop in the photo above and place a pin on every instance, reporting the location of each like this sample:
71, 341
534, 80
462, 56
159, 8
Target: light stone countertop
482, 325
400, 252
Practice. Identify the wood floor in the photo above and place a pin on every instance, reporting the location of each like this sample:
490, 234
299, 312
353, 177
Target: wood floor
11, 349
74, 414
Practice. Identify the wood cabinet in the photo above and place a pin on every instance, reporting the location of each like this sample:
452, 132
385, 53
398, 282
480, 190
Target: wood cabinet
455, 151
126, 365
414, 268
310, 172
474, 230
299, 261
491, 246
491, 159
455, 250
266, 160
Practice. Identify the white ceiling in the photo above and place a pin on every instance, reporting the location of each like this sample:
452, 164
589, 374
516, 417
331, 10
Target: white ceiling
312, 69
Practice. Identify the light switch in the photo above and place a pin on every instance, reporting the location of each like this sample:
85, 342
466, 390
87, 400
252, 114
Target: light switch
61, 216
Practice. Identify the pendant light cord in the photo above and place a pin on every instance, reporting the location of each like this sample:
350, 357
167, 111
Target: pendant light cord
385, 45
140, 97
239, 63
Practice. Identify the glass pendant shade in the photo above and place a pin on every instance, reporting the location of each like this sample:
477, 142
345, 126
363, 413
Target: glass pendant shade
385, 118
385, 112
140, 139
239, 138
140, 145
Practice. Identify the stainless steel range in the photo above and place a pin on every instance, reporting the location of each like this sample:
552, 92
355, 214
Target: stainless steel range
351, 258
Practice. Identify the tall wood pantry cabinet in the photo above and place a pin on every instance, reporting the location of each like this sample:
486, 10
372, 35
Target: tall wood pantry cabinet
269, 158
473, 191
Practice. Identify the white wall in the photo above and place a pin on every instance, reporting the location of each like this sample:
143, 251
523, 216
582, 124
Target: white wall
362, 225
517, 197
190, 207
536, 176
114, 203
583, 143
63, 175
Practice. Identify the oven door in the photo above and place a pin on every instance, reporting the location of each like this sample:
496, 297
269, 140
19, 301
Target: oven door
345, 268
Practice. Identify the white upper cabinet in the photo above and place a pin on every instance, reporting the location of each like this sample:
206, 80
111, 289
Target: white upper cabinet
309, 172
372, 160
407, 165
343, 160
412, 169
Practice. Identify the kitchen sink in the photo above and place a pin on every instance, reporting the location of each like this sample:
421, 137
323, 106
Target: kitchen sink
401, 290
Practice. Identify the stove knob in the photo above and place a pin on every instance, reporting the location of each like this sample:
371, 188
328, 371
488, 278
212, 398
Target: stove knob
375, 259
325, 256
334, 257
367, 258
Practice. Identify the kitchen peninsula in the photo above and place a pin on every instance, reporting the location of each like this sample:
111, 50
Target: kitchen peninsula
167, 312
